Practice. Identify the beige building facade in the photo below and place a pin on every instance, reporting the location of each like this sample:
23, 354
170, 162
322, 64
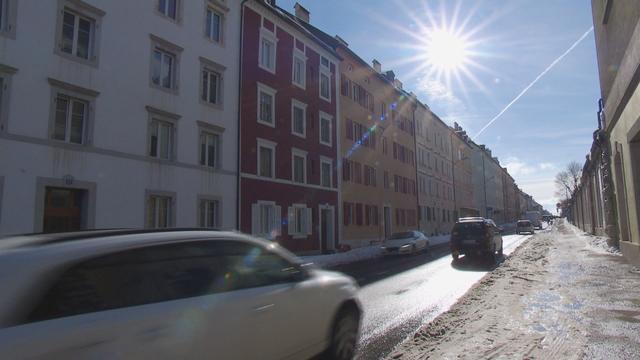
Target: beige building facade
617, 33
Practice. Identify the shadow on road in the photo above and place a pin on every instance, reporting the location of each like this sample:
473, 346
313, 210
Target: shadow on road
466, 263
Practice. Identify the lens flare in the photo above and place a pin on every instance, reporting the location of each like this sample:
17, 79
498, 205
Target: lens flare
445, 50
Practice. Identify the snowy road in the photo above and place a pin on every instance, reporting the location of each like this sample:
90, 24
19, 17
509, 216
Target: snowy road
399, 294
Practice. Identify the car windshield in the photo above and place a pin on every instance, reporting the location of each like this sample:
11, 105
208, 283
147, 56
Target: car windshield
402, 235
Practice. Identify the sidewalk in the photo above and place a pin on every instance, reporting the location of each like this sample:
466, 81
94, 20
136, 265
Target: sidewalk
561, 295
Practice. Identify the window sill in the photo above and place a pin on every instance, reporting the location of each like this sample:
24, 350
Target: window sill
172, 91
325, 99
177, 20
213, 42
300, 86
326, 144
216, 106
303, 136
271, 71
161, 161
70, 57
299, 236
273, 125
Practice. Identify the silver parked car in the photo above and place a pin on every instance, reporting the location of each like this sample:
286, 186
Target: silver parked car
406, 242
178, 294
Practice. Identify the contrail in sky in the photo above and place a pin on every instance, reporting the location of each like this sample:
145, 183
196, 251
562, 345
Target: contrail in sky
543, 73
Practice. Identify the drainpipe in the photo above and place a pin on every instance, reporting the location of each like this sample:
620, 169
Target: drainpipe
453, 176
238, 154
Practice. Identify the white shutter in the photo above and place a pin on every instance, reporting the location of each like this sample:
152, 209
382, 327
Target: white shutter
277, 220
255, 219
309, 221
291, 219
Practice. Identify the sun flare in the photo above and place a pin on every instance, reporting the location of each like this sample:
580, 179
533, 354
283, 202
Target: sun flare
445, 51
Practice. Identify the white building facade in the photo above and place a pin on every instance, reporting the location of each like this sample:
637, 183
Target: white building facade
118, 114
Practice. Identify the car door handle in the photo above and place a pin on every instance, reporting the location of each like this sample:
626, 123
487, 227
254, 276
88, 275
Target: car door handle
264, 308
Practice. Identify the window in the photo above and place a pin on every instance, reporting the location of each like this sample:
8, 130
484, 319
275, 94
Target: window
168, 8
77, 35
346, 170
298, 118
299, 166
299, 68
161, 138
70, 119
266, 105
385, 146
209, 145
386, 180
7, 17
325, 86
299, 221
266, 158
383, 111
163, 68
164, 64
210, 86
267, 51
213, 29
159, 211
265, 219
326, 172
209, 213
348, 213
326, 137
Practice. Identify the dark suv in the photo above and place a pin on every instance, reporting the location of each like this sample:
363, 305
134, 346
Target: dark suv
476, 236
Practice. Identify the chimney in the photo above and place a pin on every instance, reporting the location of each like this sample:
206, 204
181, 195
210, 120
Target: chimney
377, 66
397, 83
390, 75
301, 12
271, 2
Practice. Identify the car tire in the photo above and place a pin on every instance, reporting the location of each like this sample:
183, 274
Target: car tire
344, 335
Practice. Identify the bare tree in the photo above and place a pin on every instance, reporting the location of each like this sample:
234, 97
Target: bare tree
567, 181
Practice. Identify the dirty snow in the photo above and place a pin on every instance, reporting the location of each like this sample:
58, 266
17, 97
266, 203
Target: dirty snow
358, 254
555, 297
596, 243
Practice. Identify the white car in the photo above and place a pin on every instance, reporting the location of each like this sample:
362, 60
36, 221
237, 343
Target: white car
407, 242
524, 226
171, 294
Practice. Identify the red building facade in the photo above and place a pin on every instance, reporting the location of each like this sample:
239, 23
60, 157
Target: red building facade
288, 143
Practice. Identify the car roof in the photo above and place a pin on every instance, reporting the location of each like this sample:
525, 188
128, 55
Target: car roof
472, 219
42, 239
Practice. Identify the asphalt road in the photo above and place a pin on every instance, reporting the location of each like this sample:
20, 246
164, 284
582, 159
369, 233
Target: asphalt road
399, 294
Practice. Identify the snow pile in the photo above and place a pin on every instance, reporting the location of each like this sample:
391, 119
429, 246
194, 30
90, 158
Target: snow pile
358, 254
596, 243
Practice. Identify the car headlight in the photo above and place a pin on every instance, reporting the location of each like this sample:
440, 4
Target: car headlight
405, 246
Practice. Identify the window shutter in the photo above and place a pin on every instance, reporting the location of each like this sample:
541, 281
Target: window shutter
345, 213
255, 219
395, 150
290, 220
367, 219
309, 220
359, 214
277, 221
349, 129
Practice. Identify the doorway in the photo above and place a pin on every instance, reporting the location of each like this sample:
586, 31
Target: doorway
327, 228
387, 222
64, 209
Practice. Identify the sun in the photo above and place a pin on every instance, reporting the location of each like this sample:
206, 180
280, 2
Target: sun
445, 51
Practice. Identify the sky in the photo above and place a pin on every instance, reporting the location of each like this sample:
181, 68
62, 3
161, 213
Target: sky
510, 45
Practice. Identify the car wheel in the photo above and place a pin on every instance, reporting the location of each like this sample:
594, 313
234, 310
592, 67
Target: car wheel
344, 337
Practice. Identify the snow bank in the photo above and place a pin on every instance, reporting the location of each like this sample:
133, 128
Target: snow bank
358, 254
596, 243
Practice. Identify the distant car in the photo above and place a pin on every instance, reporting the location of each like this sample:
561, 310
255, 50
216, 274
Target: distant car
476, 237
407, 242
524, 226
179, 294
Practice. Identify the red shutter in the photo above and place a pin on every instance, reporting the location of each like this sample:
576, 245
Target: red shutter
359, 214
349, 129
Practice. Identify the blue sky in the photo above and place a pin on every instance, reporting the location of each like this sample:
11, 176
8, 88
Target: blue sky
513, 41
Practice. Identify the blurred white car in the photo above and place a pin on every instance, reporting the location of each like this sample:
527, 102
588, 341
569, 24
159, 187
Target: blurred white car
178, 294
407, 242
